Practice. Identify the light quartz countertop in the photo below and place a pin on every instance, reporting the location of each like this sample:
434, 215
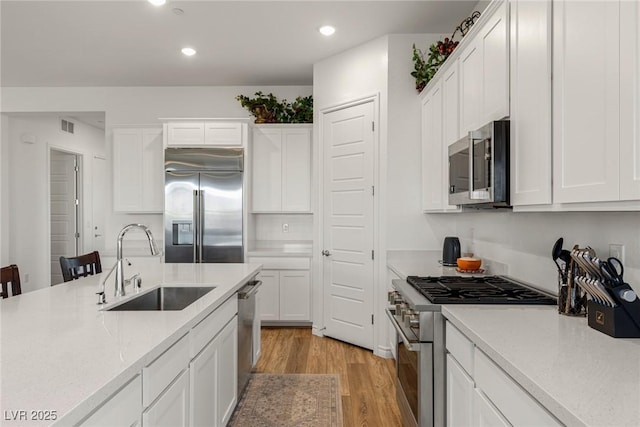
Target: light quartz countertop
61, 353
273, 248
580, 375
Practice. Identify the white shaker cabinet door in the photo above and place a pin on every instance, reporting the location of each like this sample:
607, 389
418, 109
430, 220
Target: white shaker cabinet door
531, 102
459, 395
171, 409
451, 106
269, 295
226, 344
630, 100
226, 134
185, 133
484, 413
495, 66
267, 170
296, 170
471, 87
586, 101
295, 293
432, 186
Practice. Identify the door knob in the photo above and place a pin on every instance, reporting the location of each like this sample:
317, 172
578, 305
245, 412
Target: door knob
326, 253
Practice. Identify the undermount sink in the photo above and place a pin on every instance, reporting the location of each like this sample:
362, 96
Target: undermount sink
164, 299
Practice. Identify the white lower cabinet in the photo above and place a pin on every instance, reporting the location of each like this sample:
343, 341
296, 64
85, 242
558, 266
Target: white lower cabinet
484, 414
171, 409
460, 393
214, 379
121, 409
285, 294
480, 393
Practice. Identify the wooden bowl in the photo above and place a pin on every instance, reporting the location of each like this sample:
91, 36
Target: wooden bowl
467, 263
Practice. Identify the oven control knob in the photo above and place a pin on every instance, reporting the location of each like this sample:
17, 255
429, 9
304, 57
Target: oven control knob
394, 297
413, 321
400, 307
406, 313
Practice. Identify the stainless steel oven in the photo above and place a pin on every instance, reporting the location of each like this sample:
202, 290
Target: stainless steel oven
479, 167
419, 358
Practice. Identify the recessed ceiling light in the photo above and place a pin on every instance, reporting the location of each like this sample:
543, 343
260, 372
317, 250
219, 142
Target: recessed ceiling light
188, 51
327, 30
157, 2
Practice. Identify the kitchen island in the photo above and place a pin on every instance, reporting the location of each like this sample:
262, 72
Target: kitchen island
63, 356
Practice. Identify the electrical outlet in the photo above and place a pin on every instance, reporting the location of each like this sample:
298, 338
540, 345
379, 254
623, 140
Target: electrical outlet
617, 250
285, 228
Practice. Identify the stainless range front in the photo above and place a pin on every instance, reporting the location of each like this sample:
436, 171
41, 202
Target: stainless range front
415, 312
420, 356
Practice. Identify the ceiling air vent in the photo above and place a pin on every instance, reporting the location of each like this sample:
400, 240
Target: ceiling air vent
66, 126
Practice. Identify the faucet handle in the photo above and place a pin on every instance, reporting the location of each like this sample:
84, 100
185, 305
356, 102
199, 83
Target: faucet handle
102, 299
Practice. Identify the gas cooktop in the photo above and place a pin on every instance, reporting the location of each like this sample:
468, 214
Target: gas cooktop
477, 290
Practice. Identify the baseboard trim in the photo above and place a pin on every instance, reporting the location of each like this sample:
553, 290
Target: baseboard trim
384, 351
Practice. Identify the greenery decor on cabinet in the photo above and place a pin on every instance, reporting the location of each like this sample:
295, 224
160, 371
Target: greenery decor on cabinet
426, 68
267, 108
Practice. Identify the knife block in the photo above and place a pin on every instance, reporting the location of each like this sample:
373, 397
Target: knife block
613, 321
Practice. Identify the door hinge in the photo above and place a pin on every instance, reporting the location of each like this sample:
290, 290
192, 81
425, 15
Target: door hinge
372, 319
373, 126
77, 235
76, 168
373, 190
372, 254
77, 202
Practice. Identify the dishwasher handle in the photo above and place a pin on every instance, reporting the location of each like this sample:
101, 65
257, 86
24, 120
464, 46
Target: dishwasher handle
249, 290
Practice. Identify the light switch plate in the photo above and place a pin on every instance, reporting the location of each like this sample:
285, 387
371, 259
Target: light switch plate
617, 250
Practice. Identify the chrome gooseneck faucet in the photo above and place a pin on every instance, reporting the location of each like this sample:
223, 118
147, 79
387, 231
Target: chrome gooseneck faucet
120, 282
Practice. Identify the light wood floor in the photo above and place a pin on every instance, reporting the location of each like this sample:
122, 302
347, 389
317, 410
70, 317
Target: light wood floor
367, 381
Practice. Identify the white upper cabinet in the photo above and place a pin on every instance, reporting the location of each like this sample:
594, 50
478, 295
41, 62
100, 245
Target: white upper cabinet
596, 130
281, 169
138, 170
586, 93
484, 71
193, 133
630, 100
450, 106
432, 165
530, 102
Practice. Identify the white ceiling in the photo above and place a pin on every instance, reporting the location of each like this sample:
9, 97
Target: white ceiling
132, 43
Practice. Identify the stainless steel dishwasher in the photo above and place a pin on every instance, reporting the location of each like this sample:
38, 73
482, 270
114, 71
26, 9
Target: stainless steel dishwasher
246, 322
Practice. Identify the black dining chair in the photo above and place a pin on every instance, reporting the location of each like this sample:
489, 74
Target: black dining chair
10, 276
80, 266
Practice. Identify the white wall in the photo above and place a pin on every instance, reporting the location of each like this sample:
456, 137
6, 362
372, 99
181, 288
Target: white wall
523, 241
28, 191
268, 227
138, 105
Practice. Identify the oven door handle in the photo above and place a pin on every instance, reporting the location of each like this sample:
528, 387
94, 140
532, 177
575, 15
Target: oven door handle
411, 346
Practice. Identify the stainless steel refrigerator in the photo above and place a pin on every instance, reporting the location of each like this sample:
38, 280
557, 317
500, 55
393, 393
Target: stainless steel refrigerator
203, 205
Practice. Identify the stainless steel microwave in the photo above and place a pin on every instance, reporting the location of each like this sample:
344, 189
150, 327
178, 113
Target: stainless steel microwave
479, 167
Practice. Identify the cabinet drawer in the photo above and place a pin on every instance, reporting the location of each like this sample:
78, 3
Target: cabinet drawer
518, 406
282, 263
460, 348
122, 409
172, 407
208, 328
159, 374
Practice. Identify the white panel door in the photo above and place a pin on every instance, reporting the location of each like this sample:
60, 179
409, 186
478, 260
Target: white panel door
586, 101
348, 141
99, 183
495, 63
459, 395
171, 409
531, 102
432, 185
295, 296
267, 170
269, 295
630, 100
296, 170
470, 88
153, 171
63, 211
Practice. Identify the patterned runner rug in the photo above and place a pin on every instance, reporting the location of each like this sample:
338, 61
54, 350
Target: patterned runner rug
290, 400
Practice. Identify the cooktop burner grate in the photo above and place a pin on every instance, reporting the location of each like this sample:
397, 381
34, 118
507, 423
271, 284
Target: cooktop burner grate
477, 290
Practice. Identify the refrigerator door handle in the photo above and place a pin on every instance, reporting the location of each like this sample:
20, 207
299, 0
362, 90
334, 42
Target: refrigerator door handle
201, 226
196, 224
